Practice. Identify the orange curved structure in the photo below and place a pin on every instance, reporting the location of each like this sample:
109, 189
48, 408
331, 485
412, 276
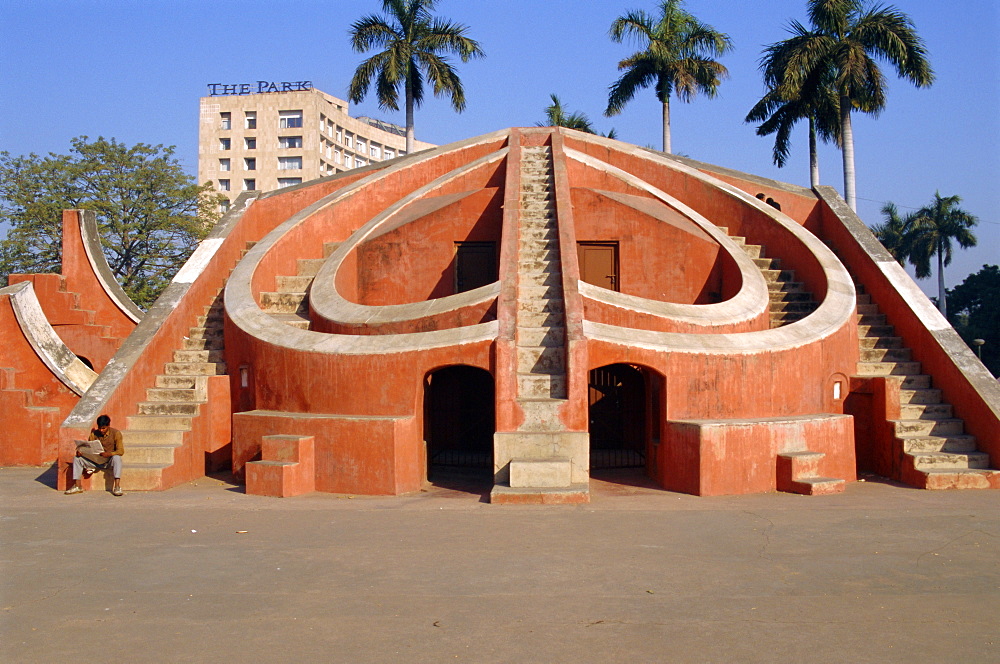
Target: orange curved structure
543, 304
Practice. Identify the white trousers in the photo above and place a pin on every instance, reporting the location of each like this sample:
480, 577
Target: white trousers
80, 463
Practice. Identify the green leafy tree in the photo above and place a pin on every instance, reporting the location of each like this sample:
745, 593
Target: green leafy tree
780, 109
931, 231
556, 116
892, 232
676, 59
412, 41
975, 314
150, 213
847, 39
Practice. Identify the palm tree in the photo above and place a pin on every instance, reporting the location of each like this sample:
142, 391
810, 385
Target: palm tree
676, 58
930, 232
412, 41
892, 232
778, 112
847, 39
555, 116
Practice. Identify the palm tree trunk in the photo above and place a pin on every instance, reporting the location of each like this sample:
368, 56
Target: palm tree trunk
942, 304
666, 125
847, 141
813, 155
409, 116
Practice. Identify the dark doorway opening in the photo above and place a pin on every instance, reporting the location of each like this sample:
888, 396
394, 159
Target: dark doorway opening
459, 423
475, 265
617, 415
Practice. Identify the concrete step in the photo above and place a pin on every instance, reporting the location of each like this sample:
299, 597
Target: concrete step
888, 368
297, 284
330, 247
789, 296
215, 343
916, 382
158, 422
309, 267
800, 306
143, 476
752, 250
541, 360
766, 263
213, 320
539, 278
131, 437
961, 479
920, 411
818, 486
534, 386
199, 383
541, 336
868, 331
778, 275
541, 319
868, 309
527, 292
960, 444
194, 368
864, 298
947, 427
786, 287
886, 355
920, 396
184, 408
779, 318
140, 453
199, 356
948, 460
541, 305
540, 245
205, 333
871, 319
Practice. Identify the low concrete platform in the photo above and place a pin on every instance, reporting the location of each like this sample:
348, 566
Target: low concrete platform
206, 573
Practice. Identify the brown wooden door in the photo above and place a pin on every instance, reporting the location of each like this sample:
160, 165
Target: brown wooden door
599, 264
475, 265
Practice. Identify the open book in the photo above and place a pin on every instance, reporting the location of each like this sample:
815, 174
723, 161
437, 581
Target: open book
91, 450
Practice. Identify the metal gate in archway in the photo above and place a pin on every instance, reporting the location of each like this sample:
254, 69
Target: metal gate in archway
459, 419
617, 417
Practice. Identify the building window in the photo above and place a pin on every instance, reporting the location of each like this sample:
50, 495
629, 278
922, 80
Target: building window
250, 185
250, 119
389, 154
348, 161
289, 119
349, 139
288, 182
286, 142
340, 135
223, 164
289, 163
226, 120
361, 146
359, 162
223, 185
375, 151
224, 207
250, 164
250, 143
336, 156
225, 143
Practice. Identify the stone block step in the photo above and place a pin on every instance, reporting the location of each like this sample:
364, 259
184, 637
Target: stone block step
546, 386
766, 263
330, 247
916, 382
538, 254
818, 486
205, 333
297, 284
888, 368
868, 309
143, 476
309, 267
551, 292
876, 331
960, 444
778, 275
213, 320
863, 298
541, 360
182, 382
920, 396
752, 250
194, 368
293, 320
948, 460
281, 303
541, 305
871, 319
880, 342
158, 422
539, 233
172, 394
215, 343
779, 318
921, 411
540, 245
541, 319
139, 453
541, 336
789, 296
961, 479
886, 355
928, 427
547, 473
786, 287
191, 408
803, 307
132, 437
539, 278
541, 414
199, 356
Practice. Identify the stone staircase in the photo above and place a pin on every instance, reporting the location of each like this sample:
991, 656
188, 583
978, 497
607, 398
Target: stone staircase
541, 319
290, 303
797, 472
936, 451
540, 467
788, 299
155, 435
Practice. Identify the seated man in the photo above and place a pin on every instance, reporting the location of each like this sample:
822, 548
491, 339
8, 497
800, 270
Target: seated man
114, 448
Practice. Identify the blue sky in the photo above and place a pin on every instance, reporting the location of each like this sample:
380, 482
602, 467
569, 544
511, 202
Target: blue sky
135, 70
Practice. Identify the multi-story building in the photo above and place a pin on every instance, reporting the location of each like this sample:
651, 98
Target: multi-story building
271, 135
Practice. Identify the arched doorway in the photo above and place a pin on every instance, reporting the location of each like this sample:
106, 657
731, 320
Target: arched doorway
617, 416
459, 422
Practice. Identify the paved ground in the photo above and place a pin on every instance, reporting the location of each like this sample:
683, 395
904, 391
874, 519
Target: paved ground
205, 573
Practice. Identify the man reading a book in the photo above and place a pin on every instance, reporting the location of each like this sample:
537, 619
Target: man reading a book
86, 463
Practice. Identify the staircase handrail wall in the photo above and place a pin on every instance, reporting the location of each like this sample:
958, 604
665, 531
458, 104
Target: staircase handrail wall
964, 380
